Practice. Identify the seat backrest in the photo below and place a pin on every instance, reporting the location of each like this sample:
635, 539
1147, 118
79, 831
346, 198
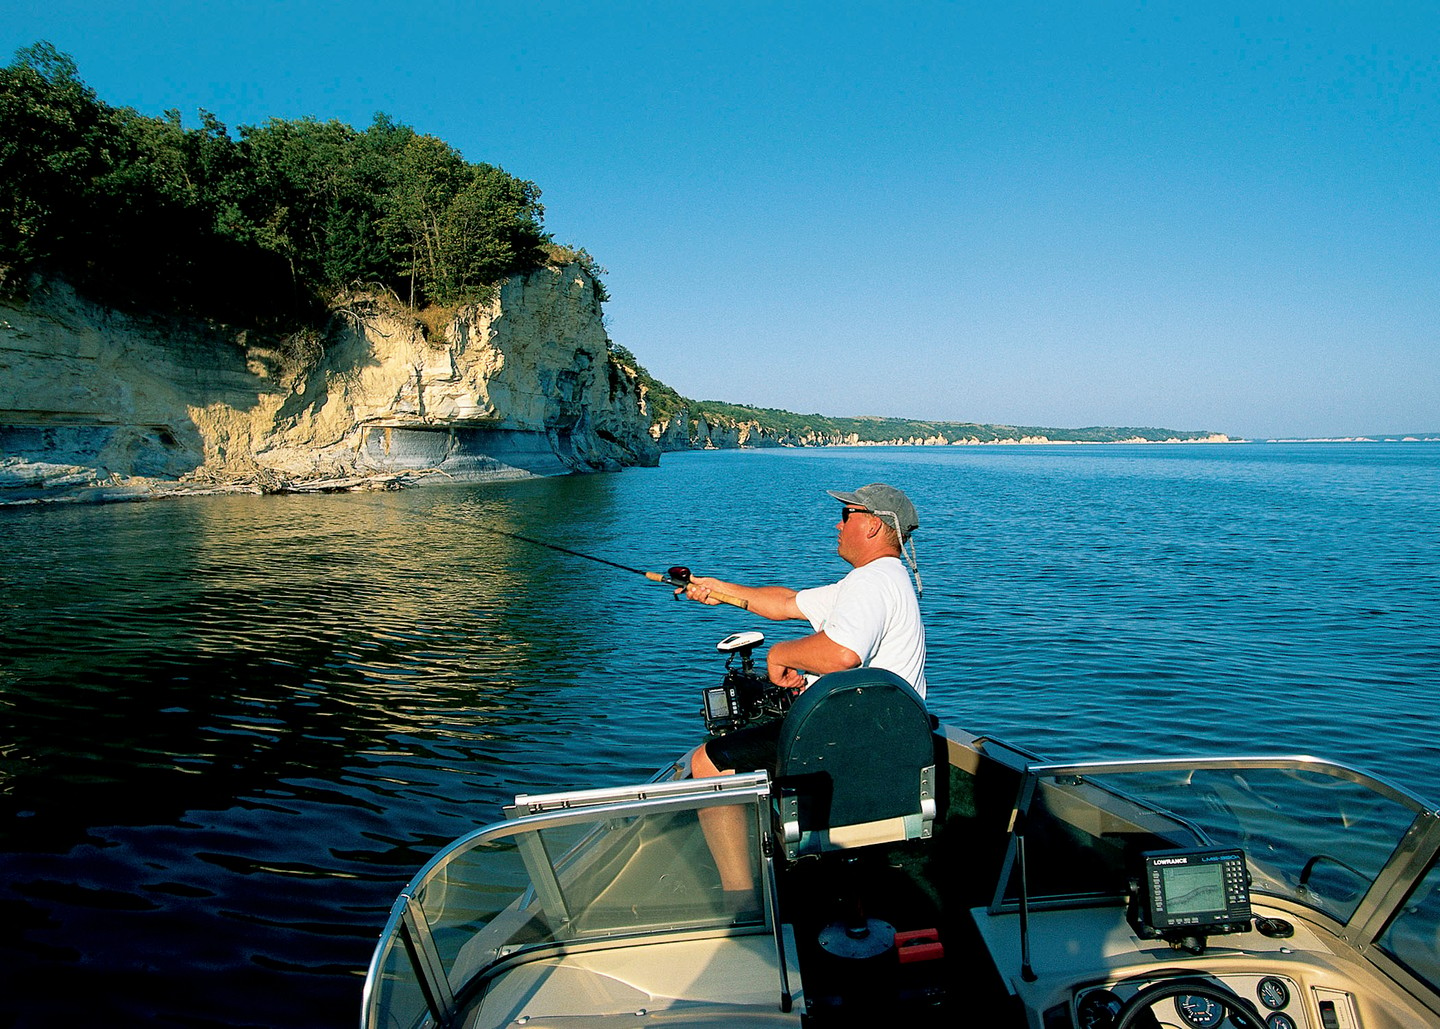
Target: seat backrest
856, 764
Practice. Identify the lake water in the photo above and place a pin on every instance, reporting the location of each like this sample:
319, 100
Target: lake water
231, 728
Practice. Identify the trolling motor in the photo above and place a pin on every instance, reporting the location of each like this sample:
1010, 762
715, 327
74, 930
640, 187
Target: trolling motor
744, 696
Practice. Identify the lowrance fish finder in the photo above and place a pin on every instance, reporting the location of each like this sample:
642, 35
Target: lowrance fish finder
744, 696
1185, 895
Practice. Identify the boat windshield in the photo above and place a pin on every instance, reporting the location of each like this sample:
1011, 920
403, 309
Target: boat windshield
1412, 936
571, 871
1313, 832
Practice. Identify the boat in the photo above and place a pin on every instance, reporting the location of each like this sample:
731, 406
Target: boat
908, 872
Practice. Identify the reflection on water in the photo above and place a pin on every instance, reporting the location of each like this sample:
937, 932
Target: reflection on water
233, 727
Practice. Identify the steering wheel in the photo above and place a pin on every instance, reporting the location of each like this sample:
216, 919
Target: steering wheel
1240, 1014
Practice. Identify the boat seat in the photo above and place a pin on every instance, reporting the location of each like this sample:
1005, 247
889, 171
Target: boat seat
855, 764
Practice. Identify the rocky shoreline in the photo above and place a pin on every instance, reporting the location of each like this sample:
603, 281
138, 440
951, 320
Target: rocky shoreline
98, 405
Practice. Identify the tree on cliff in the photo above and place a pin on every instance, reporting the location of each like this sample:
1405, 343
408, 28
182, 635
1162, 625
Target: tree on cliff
309, 196
53, 133
142, 212
458, 227
491, 227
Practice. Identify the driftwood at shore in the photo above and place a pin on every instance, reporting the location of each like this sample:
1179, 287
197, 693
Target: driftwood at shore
270, 482
345, 484
264, 482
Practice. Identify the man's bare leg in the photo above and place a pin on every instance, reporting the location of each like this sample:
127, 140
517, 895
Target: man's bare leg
725, 831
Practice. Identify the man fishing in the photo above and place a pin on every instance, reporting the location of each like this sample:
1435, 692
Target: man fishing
869, 618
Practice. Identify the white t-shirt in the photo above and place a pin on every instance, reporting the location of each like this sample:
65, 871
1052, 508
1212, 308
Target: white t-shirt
874, 612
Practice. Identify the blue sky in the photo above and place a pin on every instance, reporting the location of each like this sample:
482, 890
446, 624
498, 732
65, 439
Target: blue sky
1214, 216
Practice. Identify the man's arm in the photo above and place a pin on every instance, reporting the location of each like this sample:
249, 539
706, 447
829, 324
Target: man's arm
817, 654
774, 602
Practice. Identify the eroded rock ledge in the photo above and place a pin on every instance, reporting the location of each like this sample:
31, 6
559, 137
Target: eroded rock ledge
95, 404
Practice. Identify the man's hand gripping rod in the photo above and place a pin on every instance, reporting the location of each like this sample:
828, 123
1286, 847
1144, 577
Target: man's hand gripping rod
679, 577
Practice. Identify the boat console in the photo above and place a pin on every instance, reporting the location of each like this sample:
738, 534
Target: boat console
1259, 893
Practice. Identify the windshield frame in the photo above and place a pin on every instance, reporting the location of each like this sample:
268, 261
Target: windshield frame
1414, 847
437, 983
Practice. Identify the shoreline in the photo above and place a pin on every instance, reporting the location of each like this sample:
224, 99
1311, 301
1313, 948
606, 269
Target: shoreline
1044, 442
27, 484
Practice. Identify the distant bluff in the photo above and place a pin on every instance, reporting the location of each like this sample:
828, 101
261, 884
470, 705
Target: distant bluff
717, 425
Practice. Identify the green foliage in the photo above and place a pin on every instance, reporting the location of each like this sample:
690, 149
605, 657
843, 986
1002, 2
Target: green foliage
142, 212
661, 402
53, 136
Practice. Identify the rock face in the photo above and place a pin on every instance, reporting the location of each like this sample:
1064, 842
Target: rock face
682, 432
526, 385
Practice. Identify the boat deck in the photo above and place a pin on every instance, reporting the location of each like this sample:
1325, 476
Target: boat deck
697, 984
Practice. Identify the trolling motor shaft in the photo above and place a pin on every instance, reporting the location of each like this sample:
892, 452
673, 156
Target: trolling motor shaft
679, 577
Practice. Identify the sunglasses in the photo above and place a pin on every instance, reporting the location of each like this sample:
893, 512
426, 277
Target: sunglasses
846, 512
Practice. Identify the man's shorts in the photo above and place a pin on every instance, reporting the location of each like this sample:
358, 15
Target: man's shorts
747, 750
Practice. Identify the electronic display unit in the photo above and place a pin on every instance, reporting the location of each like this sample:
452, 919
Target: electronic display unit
1191, 893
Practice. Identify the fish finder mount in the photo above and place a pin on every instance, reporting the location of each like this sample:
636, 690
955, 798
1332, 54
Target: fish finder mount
1185, 896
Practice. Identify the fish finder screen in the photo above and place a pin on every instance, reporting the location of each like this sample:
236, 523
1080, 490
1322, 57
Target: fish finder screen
1196, 889
1193, 889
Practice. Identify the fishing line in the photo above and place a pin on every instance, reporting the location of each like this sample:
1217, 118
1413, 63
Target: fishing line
677, 575
655, 576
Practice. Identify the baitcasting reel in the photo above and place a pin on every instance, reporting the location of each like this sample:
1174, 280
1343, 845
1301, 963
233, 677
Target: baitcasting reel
679, 577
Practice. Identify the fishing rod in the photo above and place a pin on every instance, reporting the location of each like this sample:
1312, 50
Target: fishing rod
676, 575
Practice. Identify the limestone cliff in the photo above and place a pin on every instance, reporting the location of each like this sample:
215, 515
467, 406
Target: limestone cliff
682, 432
114, 404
